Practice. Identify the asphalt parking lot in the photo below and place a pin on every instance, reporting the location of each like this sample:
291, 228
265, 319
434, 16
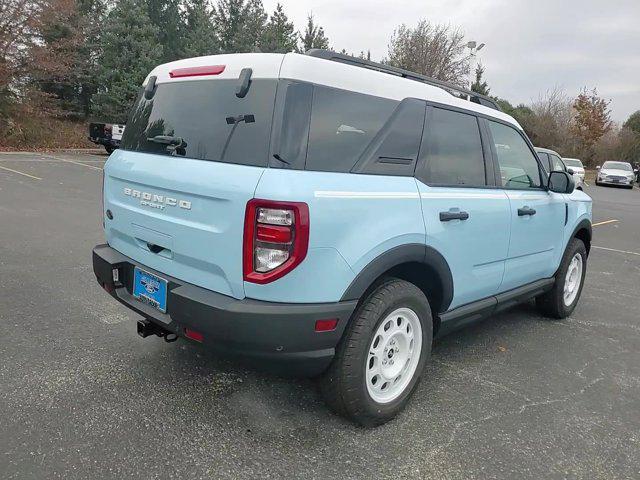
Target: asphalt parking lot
82, 396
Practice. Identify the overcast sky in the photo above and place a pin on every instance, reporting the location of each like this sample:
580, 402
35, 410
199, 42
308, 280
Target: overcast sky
531, 45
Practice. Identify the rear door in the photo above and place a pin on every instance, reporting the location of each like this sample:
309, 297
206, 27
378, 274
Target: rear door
466, 216
537, 215
191, 158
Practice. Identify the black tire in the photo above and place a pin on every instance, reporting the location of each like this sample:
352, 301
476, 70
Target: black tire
109, 149
343, 385
551, 304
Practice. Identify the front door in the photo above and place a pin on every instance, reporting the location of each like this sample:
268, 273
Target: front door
537, 215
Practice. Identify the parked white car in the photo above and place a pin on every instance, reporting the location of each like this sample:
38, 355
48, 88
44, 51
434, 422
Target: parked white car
576, 166
615, 173
551, 161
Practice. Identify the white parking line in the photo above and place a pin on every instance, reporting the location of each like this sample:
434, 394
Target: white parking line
72, 161
604, 223
615, 250
20, 173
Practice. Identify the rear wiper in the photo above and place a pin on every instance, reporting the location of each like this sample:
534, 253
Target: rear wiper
235, 121
166, 140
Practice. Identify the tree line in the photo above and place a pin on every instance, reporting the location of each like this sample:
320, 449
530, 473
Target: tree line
575, 127
66, 61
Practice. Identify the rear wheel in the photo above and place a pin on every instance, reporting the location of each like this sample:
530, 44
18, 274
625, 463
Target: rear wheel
562, 299
381, 357
109, 149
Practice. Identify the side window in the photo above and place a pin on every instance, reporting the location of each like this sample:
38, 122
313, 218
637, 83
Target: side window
453, 153
519, 167
291, 125
343, 123
394, 150
556, 163
544, 157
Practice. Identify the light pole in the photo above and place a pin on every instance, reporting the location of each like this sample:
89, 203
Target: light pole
474, 48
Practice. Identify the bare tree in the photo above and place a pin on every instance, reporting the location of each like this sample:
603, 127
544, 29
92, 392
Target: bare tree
430, 49
549, 124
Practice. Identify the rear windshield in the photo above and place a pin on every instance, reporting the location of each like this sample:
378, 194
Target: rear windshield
204, 119
618, 166
570, 162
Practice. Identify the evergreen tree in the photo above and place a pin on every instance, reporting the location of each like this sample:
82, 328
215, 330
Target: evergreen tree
61, 59
240, 25
480, 85
200, 37
279, 34
166, 16
633, 122
129, 51
314, 36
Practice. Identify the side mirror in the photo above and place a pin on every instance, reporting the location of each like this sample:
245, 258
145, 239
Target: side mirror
598, 167
561, 182
570, 171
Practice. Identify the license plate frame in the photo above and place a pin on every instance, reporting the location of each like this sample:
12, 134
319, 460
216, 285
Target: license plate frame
150, 289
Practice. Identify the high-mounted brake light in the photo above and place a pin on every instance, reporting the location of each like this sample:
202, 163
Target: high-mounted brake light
197, 71
276, 239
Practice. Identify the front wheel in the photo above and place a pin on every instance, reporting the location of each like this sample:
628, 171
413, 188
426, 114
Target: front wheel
562, 299
380, 359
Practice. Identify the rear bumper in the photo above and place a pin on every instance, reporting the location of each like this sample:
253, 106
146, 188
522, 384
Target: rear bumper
281, 334
110, 142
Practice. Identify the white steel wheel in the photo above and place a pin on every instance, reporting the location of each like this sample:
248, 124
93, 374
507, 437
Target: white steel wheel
573, 279
394, 354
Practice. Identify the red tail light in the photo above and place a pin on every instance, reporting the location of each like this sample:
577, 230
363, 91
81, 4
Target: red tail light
276, 239
197, 71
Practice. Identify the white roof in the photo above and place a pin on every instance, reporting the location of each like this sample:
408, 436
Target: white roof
305, 68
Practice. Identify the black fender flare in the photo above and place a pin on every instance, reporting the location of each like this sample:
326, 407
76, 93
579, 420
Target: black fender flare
583, 224
412, 252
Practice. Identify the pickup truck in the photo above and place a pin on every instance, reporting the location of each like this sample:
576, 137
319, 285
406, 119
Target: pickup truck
107, 134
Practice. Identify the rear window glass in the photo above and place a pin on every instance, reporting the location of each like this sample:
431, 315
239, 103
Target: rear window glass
204, 119
454, 153
343, 123
545, 160
570, 162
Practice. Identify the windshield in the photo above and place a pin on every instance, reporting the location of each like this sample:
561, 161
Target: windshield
570, 162
204, 119
618, 166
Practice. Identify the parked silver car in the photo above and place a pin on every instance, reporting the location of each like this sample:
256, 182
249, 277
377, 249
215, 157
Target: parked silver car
615, 173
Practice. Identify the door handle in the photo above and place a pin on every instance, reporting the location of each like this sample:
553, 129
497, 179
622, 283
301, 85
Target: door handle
448, 216
526, 211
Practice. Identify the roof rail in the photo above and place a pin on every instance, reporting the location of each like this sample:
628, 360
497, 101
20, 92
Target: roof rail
451, 88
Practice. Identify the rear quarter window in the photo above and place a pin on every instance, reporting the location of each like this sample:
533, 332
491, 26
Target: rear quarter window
343, 123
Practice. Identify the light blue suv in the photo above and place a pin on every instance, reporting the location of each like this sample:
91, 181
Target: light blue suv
331, 215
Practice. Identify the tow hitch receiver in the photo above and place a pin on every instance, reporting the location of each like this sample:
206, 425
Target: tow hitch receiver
146, 328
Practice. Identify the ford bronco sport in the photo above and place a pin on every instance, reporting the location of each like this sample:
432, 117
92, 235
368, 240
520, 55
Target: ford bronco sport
331, 215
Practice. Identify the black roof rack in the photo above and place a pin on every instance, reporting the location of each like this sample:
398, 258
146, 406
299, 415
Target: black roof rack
399, 72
